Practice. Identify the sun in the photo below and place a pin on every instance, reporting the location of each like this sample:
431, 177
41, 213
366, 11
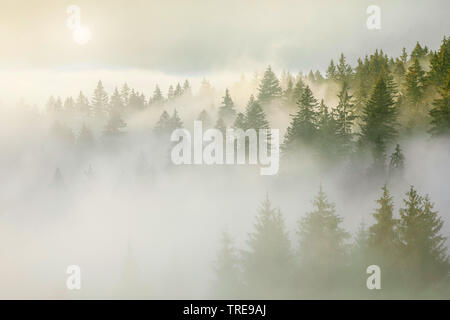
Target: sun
82, 35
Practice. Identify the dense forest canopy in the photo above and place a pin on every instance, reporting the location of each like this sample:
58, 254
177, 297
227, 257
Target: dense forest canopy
353, 122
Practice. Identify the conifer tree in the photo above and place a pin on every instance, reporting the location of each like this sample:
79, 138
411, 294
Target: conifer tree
187, 88
157, 98
424, 252
269, 89
379, 119
303, 126
205, 119
226, 111
163, 124
239, 123
178, 91
345, 116
175, 121
440, 64
321, 238
331, 71
220, 124
116, 102
415, 82
82, 103
267, 262
125, 94
383, 240
327, 132
298, 90
170, 93
255, 117
397, 162
344, 70
440, 113
227, 283
100, 100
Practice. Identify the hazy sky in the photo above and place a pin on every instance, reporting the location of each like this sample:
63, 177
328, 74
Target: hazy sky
203, 37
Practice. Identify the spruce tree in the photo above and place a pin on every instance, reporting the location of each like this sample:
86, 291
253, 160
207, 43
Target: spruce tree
344, 71
331, 71
163, 124
397, 162
379, 119
415, 83
125, 94
100, 100
170, 93
269, 89
82, 103
383, 240
440, 64
267, 261
158, 97
227, 284
440, 113
303, 126
205, 119
255, 117
345, 116
424, 252
321, 238
226, 111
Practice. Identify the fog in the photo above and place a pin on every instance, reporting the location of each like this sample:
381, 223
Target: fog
165, 220
138, 226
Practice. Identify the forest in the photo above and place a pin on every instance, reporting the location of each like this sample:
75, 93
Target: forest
357, 144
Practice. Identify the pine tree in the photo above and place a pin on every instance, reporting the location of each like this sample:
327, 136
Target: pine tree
115, 123
424, 252
383, 240
239, 123
227, 283
178, 91
220, 124
170, 93
255, 117
415, 83
100, 100
157, 98
419, 51
298, 90
187, 88
288, 93
327, 137
269, 89
321, 239
440, 113
303, 128
344, 70
404, 56
175, 121
125, 94
440, 64
397, 162
345, 116
82, 103
116, 102
226, 111
205, 119
379, 119
331, 71
163, 124
267, 262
